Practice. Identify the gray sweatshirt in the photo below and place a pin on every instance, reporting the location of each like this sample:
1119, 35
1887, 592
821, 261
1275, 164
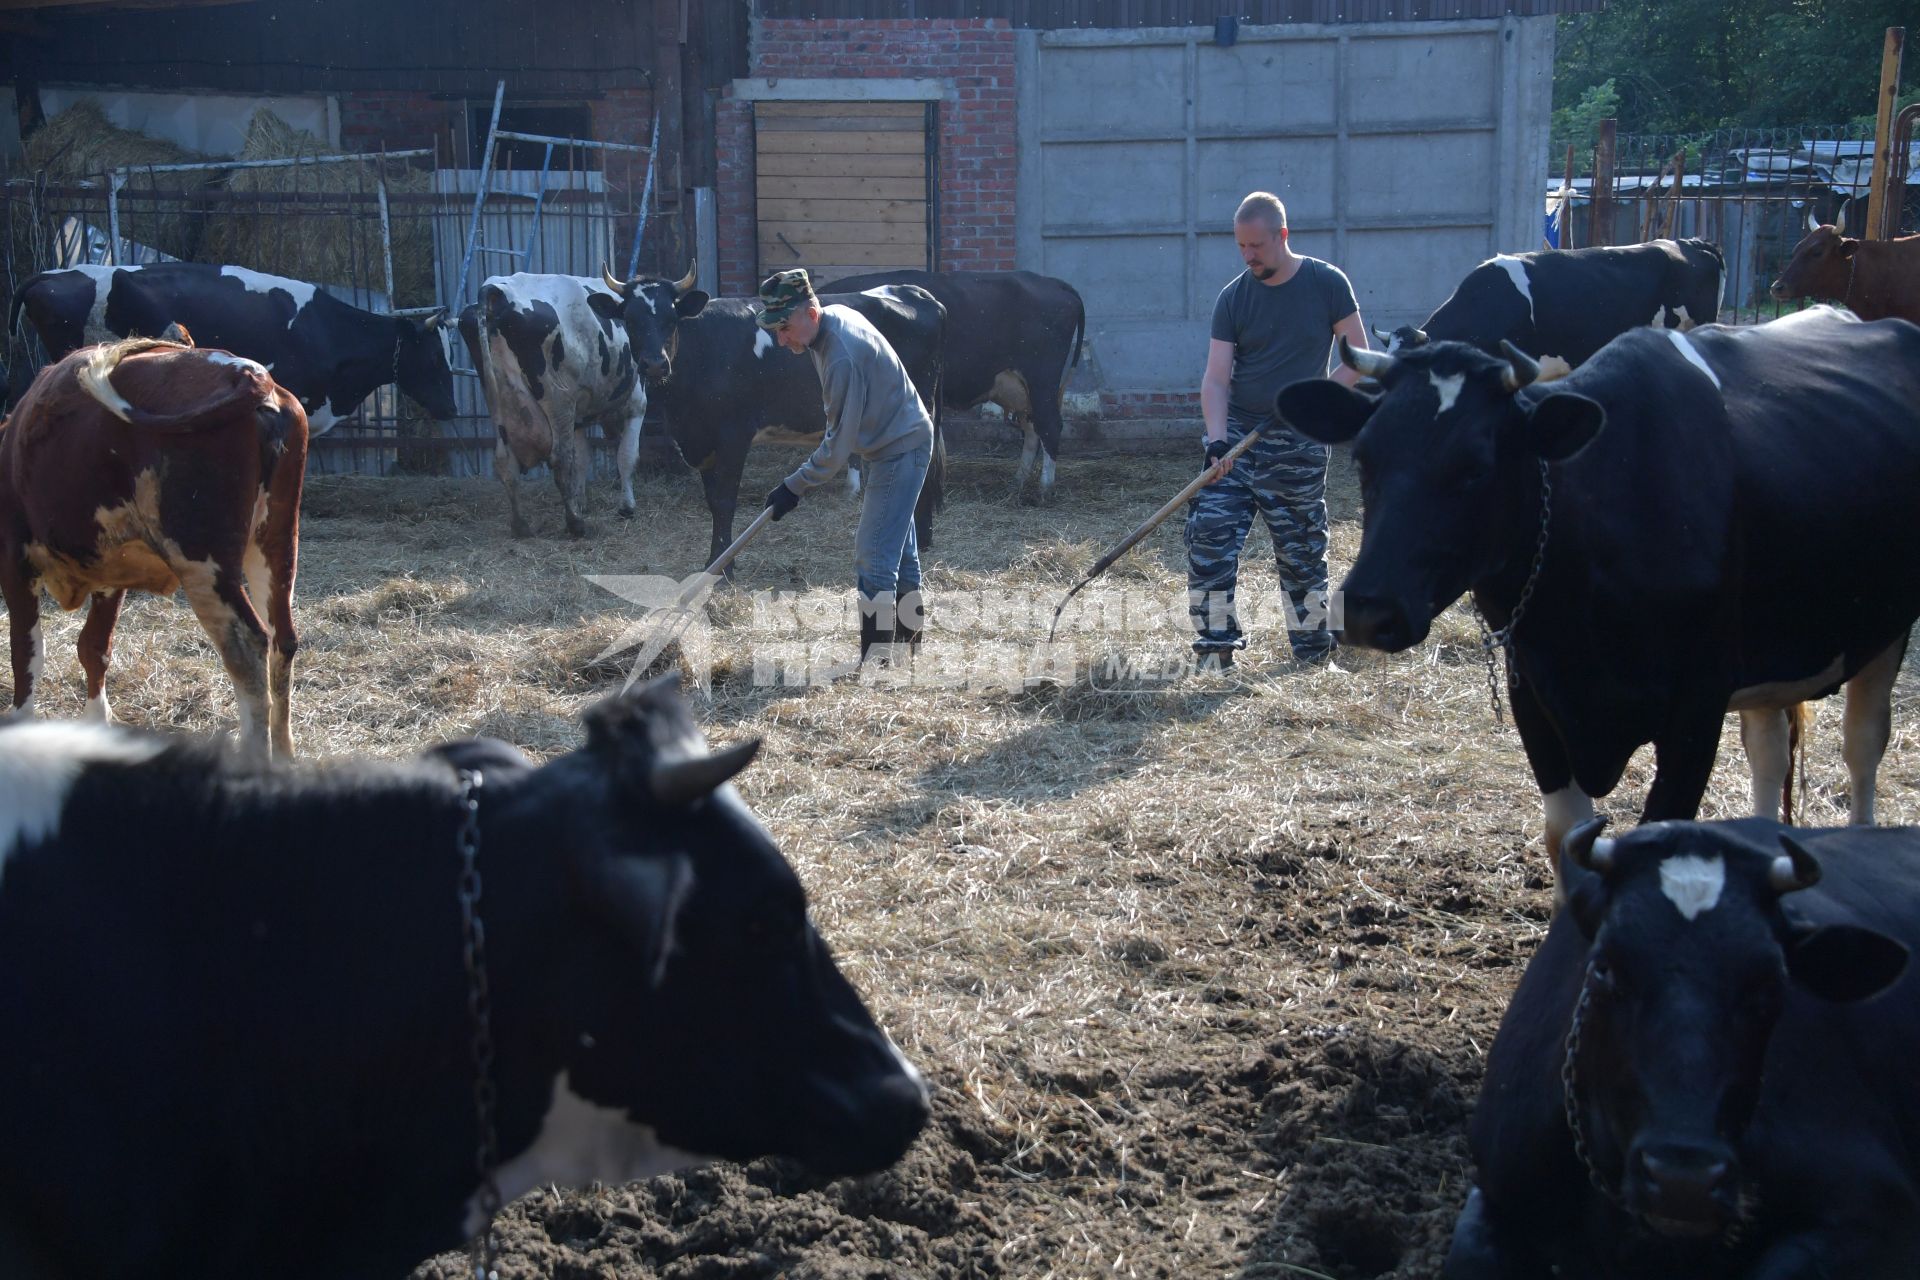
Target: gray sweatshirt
871, 406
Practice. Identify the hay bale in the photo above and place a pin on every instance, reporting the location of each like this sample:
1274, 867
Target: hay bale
80, 145
329, 244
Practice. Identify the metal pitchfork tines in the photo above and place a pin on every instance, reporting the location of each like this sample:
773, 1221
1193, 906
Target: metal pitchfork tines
674, 621
1132, 540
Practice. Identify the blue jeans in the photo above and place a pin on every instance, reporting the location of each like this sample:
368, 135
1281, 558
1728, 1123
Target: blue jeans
886, 553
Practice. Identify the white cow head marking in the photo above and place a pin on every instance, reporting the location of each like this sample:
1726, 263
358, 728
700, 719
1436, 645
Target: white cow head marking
762, 342
1448, 389
1693, 884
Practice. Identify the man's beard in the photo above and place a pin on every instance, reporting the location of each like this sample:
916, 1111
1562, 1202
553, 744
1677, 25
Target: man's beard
1263, 273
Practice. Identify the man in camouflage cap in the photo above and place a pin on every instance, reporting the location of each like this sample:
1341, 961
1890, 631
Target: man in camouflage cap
873, 412
782, 294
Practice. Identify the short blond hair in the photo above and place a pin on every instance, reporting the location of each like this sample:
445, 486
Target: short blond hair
1263, 206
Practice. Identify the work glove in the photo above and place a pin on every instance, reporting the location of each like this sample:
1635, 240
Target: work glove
1216, 450
782, 499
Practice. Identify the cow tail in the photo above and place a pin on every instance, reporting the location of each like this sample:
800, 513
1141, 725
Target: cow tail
95, 376
1799, 721
1079, 330
18, 310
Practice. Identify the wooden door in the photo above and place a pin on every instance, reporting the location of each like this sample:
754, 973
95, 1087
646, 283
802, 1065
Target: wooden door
843, 188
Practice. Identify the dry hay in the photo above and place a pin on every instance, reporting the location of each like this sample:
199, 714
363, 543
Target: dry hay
80, 145
1203, 973
330, 247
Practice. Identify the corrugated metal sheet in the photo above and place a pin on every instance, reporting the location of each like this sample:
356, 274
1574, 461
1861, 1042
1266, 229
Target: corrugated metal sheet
569, 48
1111, 14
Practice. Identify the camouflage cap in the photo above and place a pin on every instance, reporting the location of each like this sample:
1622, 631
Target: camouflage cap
782, 294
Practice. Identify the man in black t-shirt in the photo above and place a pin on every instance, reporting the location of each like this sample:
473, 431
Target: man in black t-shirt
1273, 325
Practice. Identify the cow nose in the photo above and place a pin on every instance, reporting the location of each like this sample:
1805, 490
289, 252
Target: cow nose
1776, 292
1684, 1183
657, 368
1374, 622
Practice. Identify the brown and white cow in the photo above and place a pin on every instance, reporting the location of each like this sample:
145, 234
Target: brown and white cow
149, 465
1874, 279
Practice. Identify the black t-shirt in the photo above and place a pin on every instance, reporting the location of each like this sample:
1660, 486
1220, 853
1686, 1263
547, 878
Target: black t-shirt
1281, 333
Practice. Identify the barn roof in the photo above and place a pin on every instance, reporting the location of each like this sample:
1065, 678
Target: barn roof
1057, 14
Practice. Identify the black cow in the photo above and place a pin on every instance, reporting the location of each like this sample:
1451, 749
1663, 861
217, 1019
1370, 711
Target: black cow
1703, 1078
328, 354
722, 381
1564, 305
236, 1013
1729, 523
1011, 337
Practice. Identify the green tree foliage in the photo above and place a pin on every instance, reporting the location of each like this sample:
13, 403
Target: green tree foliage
1682, 66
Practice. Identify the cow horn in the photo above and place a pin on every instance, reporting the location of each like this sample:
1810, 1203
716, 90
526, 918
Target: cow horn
1369, 364
1840, 221
1521, 368
685, 282
1794, 869
1418, 338
683, 781
1588, 848
1813, 222
1384, 339
618, 286
436, 320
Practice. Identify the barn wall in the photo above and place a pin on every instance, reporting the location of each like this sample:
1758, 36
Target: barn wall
974, 61
1405, 152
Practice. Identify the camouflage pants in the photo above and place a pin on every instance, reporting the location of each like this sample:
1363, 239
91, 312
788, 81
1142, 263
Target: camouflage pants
1284, 478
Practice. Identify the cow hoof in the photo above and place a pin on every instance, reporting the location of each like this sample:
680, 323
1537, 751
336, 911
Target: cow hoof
626, 512
576, 528
521, 529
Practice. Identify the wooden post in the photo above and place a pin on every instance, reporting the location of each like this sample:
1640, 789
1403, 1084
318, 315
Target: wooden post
1603, 159
1878, 201
1566, 214
668, 82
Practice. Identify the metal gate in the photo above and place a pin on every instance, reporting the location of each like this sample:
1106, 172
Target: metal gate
391, 232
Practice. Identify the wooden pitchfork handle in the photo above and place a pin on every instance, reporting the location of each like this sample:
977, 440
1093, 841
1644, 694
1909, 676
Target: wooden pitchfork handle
1153, 521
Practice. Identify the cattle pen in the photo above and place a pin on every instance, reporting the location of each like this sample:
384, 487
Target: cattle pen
1202, 970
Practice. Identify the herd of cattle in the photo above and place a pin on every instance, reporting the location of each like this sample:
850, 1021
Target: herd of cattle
1704, 1072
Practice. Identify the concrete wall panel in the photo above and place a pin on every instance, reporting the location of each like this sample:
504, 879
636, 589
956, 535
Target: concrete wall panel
1298, 170
1124, 277
1290, 82
1132, 88
1406, 153
1421, 176
1404, 78
1114, 184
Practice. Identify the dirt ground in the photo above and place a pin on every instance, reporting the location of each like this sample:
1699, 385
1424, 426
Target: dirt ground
1202, 971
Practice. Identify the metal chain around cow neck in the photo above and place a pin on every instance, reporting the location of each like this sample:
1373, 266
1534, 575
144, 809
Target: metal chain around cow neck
1570, 1094
1503, 638
1730, 1235
486, 1154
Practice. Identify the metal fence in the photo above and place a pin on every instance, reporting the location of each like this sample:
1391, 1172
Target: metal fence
1748, 190
388, 234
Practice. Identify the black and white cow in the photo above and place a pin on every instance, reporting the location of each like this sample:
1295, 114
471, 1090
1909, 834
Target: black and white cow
1012, 336
554, 358
1564, 305
329, 354
1729, 524
723, 382
1707, 1072
236, 1010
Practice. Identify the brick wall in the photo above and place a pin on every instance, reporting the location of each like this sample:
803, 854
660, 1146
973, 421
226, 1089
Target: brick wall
976, 125
395, 119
